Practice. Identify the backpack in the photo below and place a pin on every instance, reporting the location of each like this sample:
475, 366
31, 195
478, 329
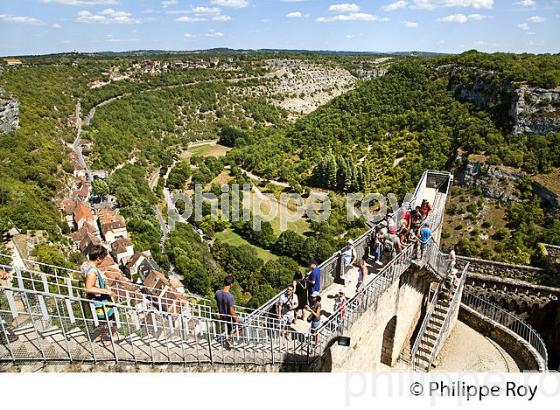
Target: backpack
388, 246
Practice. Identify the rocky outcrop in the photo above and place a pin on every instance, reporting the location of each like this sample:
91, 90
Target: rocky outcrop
532, 110
535, 110
495, 182
9, 115
551, 198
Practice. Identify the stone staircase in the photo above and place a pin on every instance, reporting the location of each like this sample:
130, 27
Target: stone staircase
428, 340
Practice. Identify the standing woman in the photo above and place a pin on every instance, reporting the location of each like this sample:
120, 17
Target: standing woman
315, 313
301, 293
362, 272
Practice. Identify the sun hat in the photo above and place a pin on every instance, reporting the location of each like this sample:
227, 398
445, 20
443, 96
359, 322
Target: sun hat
350, 242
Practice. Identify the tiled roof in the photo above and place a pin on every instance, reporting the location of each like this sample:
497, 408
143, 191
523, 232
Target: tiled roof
83, 212
120, 245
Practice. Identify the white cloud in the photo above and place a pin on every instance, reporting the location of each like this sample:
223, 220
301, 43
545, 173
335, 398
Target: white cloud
214, 33
536, 19
461, 18
81, 2
189, 19
344, 8
8, 18
384, 19
410, 24
401, 4
434, 4
189, 35
526, 3
107, 16
221, 18
205, 10
235, 4
56, 25
523, 26
294, 14
348, 17
167, 3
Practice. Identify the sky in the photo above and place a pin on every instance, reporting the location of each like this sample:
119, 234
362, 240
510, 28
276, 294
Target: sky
52, 26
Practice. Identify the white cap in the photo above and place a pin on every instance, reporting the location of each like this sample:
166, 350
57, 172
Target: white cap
315, 294
350, 242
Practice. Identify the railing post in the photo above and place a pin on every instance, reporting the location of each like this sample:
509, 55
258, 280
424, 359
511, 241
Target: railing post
209, 344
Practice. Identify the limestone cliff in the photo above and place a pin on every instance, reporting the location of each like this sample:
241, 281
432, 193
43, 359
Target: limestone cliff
496, 182
9, 115
531, 110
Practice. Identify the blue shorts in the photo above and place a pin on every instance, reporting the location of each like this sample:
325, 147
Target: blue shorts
315, 324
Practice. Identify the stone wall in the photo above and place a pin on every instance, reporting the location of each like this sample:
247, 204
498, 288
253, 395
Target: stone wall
552, 253
378, 331
9, 115
505, 270
525, 356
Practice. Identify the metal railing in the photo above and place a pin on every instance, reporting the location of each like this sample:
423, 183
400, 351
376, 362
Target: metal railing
51, 327
424, 326
508, 320
423, 332
453, 308
66, 281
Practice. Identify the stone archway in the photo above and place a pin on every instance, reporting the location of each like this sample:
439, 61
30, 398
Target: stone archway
388, 342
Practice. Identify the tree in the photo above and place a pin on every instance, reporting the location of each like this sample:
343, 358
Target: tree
100, 187
289, 243
279, 273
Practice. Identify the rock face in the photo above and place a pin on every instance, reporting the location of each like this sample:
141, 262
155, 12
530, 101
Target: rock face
496, 182
532, 110
9, 115
535, 110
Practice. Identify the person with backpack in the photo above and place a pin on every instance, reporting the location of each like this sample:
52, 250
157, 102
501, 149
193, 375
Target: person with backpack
96, 287
287, 303
392, 245
417, 219
378, 239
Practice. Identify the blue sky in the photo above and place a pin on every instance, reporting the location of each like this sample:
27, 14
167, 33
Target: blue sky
48, 26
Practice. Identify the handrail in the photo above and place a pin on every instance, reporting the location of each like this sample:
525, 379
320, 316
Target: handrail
137, 335
508, 320
453, 306
427, 317
61, 276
